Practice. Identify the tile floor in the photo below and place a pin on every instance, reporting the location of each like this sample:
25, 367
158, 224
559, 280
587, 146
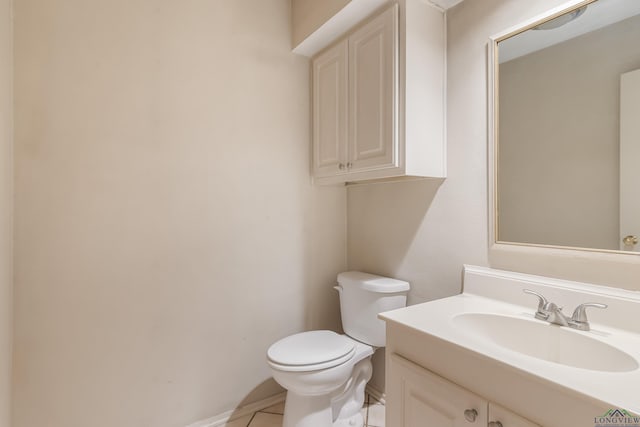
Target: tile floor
373, 413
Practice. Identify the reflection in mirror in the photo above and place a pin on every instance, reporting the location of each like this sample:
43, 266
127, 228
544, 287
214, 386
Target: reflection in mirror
568, 129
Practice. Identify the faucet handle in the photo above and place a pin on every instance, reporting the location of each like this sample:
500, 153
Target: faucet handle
542, 301
580, 313
543, 304
579, 319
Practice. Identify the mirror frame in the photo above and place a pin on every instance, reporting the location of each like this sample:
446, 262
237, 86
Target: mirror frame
493, 120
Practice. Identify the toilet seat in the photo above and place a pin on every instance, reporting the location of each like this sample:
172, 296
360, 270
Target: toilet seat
311, 351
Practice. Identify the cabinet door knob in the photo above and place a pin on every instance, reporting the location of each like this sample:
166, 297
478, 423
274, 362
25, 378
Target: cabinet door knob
495, 424
470, 415
341, 166
349, 165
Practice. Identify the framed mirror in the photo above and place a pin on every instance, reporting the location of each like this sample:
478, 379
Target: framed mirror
564, 129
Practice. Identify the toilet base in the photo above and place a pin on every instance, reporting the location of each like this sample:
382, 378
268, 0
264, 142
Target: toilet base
307, 411
355, 421
343, 408
315, 411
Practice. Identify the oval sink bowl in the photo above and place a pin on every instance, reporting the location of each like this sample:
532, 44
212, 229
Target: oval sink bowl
547, 342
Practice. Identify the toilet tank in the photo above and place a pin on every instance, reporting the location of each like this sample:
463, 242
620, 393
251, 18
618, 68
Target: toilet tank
362, 297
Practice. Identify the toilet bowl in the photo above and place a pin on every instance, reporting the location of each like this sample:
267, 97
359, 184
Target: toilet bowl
317, 369
326, 373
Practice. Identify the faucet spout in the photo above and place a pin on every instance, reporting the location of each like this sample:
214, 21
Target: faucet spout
548, 311
554, 314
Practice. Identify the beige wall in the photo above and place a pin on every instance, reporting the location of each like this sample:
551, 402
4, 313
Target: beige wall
309, 15
421, 233
166, 228
6, 201
559, 139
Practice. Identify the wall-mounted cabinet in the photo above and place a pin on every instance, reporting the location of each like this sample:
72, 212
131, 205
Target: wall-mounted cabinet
354, 92
378, 99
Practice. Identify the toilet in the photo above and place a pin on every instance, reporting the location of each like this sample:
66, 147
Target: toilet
326, 373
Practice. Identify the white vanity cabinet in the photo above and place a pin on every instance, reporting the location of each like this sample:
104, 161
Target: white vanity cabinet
506, 417
378, 99
417, 397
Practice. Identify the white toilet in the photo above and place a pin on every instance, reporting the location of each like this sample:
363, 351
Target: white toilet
325, 373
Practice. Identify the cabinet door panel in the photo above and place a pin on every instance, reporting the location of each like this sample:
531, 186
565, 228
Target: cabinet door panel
507, 418
373, 81
417, 397
330, 111
418, 410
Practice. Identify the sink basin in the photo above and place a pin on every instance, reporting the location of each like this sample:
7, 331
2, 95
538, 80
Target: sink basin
546, 341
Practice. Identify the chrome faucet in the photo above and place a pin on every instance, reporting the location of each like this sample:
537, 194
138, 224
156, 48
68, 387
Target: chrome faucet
551, 313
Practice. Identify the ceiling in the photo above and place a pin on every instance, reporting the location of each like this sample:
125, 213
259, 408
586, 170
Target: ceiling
598, 15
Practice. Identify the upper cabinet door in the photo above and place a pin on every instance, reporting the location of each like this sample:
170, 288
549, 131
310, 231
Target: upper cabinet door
373, 91
330, 111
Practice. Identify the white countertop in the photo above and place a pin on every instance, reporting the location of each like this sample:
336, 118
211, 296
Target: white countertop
617, 389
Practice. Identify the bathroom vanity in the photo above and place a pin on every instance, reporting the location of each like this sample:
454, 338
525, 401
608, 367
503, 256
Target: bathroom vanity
482, 358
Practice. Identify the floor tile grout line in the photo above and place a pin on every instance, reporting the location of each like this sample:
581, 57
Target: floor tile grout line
269, 412
251, 419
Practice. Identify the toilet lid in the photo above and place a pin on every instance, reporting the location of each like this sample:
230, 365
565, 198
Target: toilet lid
324, 348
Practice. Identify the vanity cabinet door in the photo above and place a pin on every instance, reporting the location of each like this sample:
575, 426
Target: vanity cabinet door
418, 398
330, 111
507, 418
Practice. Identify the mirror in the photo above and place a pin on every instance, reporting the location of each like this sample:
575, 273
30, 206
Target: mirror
565, 157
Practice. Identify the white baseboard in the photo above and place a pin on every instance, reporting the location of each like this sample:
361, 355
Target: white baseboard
377, 394
222, 419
